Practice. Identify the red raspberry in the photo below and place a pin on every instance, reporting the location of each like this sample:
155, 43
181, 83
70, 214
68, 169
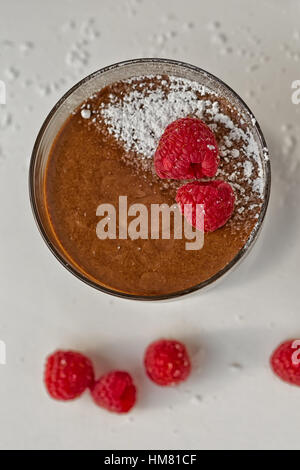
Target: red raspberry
115, 391
68, 374
217, 200
167, 362
187, 149
285, 361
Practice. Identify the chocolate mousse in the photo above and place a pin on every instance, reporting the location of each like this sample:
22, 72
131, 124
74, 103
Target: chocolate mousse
105, 150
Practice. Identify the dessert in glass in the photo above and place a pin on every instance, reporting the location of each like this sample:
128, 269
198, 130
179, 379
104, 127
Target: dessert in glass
96, 149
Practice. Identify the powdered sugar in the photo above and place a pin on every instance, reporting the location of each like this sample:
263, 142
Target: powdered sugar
248, 169
86, 113
139, 118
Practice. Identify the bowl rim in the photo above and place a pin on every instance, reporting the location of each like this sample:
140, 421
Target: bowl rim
220, 274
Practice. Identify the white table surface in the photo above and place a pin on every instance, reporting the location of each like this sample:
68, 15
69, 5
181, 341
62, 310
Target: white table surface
232, 400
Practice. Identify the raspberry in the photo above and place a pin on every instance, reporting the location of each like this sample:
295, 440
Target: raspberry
167, 362
285, 362
217, 199
187, 149
115, 391
68, 374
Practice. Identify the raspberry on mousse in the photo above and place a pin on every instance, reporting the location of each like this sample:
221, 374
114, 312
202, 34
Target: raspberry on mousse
216, 198
187, 149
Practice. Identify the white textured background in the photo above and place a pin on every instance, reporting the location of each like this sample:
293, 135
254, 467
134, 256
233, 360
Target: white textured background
232, 400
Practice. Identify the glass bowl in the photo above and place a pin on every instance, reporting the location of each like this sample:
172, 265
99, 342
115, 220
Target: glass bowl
87, 87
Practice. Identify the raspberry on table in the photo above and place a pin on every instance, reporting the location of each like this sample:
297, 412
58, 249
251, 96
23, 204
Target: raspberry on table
187, 149
115, 392
68, 374
216, 198
167, 362
285, 362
